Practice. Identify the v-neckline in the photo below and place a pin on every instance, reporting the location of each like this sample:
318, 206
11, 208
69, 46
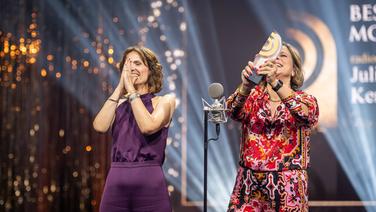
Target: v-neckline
272, 114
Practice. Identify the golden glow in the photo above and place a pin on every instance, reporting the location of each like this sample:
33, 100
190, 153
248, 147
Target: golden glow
23, 49
45, 189
32, 60
110, 51
50, 57
34, 34
6, 49
32, 26
86, 63
110, 60
53, 188
61, 133
43, 72
33, 49
88, 148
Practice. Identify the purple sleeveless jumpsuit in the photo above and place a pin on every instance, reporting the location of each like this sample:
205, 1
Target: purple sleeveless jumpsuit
135, 181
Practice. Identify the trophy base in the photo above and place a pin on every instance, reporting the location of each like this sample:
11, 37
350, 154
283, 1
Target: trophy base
255, 78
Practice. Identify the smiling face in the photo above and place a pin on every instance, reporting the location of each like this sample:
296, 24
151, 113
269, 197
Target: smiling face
289, 67
139, 70
285, 66
145, 67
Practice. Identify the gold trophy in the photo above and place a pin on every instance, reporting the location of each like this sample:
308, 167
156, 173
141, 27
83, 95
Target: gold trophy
270, 51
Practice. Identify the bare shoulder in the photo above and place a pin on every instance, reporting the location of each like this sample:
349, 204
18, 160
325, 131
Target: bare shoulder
168, 99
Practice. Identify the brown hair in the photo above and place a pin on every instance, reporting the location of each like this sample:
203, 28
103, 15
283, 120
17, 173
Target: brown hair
149, 58
298, 78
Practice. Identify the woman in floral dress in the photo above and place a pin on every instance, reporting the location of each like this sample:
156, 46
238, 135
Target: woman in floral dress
277, 119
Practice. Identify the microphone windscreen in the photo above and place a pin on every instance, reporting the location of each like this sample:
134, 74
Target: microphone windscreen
215, 90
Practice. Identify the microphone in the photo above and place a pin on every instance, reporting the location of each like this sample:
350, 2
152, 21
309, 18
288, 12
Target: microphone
215, 113
217, 110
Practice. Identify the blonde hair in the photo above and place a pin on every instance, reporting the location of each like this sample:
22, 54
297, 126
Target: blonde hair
298, 78
149, 58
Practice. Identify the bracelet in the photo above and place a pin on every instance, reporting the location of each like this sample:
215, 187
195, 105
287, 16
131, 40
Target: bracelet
113, 100
278, 85
133, 96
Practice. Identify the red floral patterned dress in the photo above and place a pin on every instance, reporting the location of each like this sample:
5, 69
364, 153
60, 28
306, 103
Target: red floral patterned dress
274, 152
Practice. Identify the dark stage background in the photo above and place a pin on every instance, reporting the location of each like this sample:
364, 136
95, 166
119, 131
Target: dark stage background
58, 63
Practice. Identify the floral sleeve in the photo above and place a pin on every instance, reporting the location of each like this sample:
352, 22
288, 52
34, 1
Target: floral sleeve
235, 104
294, 103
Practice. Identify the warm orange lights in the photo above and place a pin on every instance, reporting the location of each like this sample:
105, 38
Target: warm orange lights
88, 148
43, 72
50, 57
32, 60
86, 63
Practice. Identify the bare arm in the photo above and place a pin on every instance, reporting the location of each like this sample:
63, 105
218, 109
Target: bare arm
148, 123
160, 117
103, 120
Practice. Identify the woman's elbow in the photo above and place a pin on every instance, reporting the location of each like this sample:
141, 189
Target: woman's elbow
148, 130
99, 127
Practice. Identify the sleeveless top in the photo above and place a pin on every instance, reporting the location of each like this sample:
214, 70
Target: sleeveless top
129, 144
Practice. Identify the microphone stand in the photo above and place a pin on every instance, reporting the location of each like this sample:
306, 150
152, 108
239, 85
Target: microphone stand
206, 145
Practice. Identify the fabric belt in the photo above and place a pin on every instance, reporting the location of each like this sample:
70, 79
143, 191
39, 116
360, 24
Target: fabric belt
135, 164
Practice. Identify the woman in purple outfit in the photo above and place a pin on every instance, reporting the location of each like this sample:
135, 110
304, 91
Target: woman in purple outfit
139, 122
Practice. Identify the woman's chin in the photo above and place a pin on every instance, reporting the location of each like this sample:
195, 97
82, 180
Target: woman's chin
138, 84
